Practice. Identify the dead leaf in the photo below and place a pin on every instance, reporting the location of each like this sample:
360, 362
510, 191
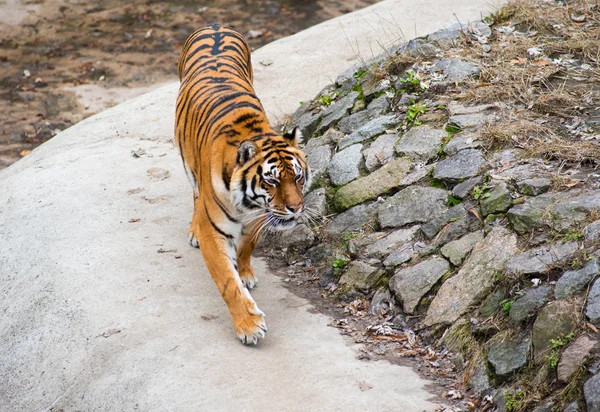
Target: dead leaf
592, 327
24, 153
541, 63
518, 61
142, 298
134, 220
364, 386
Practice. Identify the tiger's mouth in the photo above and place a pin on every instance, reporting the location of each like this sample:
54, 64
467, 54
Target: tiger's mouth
280, 222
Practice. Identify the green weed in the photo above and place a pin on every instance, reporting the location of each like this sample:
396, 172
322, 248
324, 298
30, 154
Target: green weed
557, 345
513, 399
339, 264
479, 191
506, 305
413, 112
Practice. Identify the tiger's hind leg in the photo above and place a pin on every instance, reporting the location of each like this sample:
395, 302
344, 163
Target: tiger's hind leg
194, 233
246, 247
219, 254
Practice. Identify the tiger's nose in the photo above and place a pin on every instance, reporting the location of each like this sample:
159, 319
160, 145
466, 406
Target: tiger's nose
294, 208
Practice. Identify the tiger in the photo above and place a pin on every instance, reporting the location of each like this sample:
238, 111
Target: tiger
246, 178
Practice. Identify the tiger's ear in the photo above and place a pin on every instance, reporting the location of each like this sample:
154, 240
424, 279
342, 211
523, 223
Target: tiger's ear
246, 151
294, 137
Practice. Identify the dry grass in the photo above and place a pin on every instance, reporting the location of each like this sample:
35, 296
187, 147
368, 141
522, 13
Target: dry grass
519, 131
575, 152
588, 48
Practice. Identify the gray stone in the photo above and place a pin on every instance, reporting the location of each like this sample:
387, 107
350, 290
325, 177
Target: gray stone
475, 278
593, 304
477, 30
344, 166
456, 108
500, 400
421, 49
300, 238
463, 165
533, 213
575, 210
338, 110
431, 228
457, 250
412, 283
479, 381
382, 302
457, 229
402, 255
410, 205
545, 407
591, 232
558, 317
591, 390
574, 281
526, 305
318, 155
420, 172
541, 259
462, 141
456, 69
388, 244
573, 357
353, 122
379, 182
346, 80
373, 85
572, 407
492, 303
359, 276
374, 128
507, 355
498, 201
352, 220
535, 186
463, 121
379, 106
420, 143
445, 38
316, 202
463, 189
306, 120
380, 152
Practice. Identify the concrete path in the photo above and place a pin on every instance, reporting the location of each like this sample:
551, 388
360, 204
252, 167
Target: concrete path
104, 305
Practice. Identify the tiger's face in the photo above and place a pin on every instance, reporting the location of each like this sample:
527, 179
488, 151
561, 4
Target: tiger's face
270, 181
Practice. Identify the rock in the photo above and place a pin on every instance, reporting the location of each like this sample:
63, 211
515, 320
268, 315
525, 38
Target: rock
306, 120
300, 238
320, 253
479, 381
593, 304
572, 407
388, 244
574, 210
541, 259
463, 189
445, 38
591, 391
380, 152
371, 186
457, 250
462, 141
351, 220
353, 122
344, 166
379, 106
412, 283
382, 302
318, 155
431, 228
474, 279
476, 30
346, 80
558, 317
573, 357
456, 108
545, 407
338, 110
410, 205
359, 276
373, 85
456, 69
591, 232
574, 281
463, 165
421, 143
535, 186
316, 203
374, 128
421, 49
457, 229
419, 173
498, 201
507, 355
529, 303
492, 304
402, 255
500, 400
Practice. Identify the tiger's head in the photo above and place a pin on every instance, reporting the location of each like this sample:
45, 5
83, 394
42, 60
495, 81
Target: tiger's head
271, 179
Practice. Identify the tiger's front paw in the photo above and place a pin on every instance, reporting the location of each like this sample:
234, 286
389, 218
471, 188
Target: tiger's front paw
250, 328
248, 278
193, 240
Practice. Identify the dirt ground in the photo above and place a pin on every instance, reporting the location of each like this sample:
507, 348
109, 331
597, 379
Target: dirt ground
64, 60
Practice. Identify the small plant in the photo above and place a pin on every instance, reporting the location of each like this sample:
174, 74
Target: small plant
339, 264
413, 112
513, 399
327, 99
347, 237
452, 201
557, 345
412, 82
479, 191
506, 305
572, 235
360, 74
576, 264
